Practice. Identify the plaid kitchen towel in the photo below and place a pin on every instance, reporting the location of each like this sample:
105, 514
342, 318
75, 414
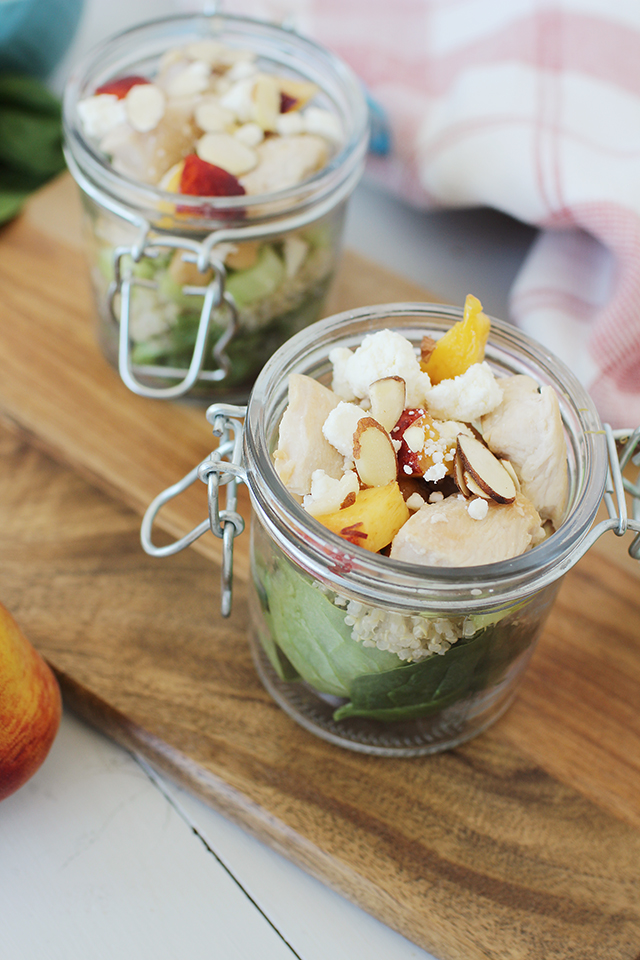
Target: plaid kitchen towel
531, 107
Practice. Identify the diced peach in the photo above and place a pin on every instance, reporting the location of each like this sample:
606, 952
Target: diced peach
461, 346
373, 520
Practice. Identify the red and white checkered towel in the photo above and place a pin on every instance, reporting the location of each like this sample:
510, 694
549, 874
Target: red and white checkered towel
531, 107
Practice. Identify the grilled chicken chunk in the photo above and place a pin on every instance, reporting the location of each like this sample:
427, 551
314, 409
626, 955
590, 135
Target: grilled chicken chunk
302, 447
526, 428
444, 535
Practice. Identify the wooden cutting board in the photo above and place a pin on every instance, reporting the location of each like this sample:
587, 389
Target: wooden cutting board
524, 843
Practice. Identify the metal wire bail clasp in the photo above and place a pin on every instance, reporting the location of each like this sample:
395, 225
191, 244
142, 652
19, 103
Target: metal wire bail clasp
214, 297
614, 494
222, 468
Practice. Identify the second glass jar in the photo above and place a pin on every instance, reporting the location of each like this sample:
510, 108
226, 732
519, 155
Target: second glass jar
174, 314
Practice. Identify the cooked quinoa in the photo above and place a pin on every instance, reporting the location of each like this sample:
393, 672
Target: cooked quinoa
409, 637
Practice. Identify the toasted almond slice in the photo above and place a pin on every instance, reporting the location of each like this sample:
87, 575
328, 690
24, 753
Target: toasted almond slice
388, 397
299, 90
512, 473
474, 489
485, 469
144, 105
458, 472
244, 255
427, 346
187, 274
373, 454
266, 98
212, 117
223, 150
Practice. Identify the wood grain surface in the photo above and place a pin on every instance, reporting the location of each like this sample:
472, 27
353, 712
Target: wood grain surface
524, 843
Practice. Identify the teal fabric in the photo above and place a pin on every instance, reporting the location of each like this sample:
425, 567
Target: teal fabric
35, 34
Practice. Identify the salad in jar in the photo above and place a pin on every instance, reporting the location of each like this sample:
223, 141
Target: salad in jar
263, 146
430, 460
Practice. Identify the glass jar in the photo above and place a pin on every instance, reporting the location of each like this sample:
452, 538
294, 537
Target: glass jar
331, 623
173, 315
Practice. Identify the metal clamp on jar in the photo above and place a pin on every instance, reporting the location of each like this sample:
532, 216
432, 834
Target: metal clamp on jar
177, 314
309, 583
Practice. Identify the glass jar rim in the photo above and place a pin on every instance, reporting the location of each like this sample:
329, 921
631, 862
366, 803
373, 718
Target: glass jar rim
346, 164
332, 560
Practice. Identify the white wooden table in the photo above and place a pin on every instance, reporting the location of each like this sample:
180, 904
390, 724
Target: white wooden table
102, 859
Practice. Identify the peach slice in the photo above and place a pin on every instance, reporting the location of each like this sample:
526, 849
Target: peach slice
461, 346
373, 520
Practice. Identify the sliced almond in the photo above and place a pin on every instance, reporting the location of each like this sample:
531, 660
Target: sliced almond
266, 98
388, 397
485, 469
212, 117
299, 90
474, 489
458, 472
223, 150
373, 454
427, 346
244, 255
144, 105
187, 274
512, 473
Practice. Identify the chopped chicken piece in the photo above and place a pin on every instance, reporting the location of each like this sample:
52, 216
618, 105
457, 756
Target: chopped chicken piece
302, 448
284, 162
443, 534
526, 429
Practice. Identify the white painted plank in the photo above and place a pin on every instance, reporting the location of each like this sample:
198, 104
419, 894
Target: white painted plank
96, 863
315, 920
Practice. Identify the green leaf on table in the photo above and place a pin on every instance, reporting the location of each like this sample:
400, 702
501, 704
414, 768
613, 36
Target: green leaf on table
30, 140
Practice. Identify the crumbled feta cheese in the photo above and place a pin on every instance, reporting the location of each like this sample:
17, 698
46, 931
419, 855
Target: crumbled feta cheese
238, 99
241, 70
382, 354
100, 114
339, 357
478, 508
289, 124
328, 494
322, 122
251, 134
193, 79
467, 397
340, 426
436, 472
415, 501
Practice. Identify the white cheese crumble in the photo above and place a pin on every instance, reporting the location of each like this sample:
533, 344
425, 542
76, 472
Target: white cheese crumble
340, 426
467, 397
382, 354
100, 114
415, 501
478, 508
328, 494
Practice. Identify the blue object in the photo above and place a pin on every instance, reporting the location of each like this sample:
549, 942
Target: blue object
35, 34
380, 138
